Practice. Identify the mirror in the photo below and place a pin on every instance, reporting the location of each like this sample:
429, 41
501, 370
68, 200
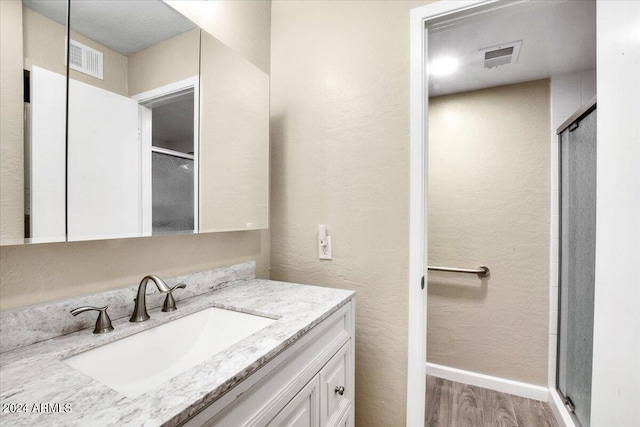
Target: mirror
33, 131
234, 155
132, 124
166, 130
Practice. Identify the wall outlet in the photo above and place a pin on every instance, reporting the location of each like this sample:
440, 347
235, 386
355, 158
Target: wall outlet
324, 248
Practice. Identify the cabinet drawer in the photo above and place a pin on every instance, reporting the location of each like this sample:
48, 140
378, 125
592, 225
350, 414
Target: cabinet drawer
335, 386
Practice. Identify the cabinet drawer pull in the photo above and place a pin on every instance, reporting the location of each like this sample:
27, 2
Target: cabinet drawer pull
340, 390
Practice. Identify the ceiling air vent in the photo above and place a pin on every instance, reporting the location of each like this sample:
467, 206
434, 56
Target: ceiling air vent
503, 54
85, 60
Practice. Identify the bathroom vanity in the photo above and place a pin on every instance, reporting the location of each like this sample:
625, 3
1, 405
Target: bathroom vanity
296, 370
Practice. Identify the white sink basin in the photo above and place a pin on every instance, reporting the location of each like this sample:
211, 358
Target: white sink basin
136, 364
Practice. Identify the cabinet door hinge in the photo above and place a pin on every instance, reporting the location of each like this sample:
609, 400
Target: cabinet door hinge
422, 283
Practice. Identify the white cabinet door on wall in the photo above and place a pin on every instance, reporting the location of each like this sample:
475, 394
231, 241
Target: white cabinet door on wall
104, 179
46, 178
234, 140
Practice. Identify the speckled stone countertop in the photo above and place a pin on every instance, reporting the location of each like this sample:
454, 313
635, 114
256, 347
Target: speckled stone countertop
35, 374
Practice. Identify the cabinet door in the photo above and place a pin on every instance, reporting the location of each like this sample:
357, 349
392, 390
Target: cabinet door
346, 420
302, 410
336, 387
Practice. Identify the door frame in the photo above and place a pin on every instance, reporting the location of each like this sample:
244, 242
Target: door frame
144, 99
418, 166
616, 223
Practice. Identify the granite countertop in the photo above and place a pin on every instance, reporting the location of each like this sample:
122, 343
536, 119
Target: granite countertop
34, 377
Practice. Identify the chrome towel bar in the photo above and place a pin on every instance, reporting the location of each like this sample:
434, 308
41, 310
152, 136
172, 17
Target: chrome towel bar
482, 271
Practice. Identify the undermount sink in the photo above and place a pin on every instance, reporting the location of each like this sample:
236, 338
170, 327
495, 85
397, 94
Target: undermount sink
136, 364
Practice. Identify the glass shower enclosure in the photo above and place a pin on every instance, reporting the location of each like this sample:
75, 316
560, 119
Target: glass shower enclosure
173, 163
577, 262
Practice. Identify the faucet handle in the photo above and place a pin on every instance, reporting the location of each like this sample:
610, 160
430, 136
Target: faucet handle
103, 323
169, 302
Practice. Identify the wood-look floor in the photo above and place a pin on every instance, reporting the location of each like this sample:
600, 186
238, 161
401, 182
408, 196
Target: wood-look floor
452, 404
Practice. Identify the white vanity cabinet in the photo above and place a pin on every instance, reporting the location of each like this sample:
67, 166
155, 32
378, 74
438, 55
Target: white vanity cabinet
309, 384
324, 401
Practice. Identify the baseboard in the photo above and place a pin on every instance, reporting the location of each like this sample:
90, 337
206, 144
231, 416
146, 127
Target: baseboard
503, 385
559, 410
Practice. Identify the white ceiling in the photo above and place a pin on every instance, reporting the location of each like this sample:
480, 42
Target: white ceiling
558, 37
123, 26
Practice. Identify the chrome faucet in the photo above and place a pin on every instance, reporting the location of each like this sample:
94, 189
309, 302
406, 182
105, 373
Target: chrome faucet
140, 310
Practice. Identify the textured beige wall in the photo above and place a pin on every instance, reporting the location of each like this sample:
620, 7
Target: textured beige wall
340, 156
11, 123
35, 273
167, 62
30, 274
489, 204
243, 25
44, 46
234, 140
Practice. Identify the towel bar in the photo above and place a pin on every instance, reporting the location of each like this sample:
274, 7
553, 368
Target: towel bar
482, 271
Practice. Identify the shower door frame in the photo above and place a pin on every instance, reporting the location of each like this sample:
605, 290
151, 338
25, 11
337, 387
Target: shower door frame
146, 147
580, 114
